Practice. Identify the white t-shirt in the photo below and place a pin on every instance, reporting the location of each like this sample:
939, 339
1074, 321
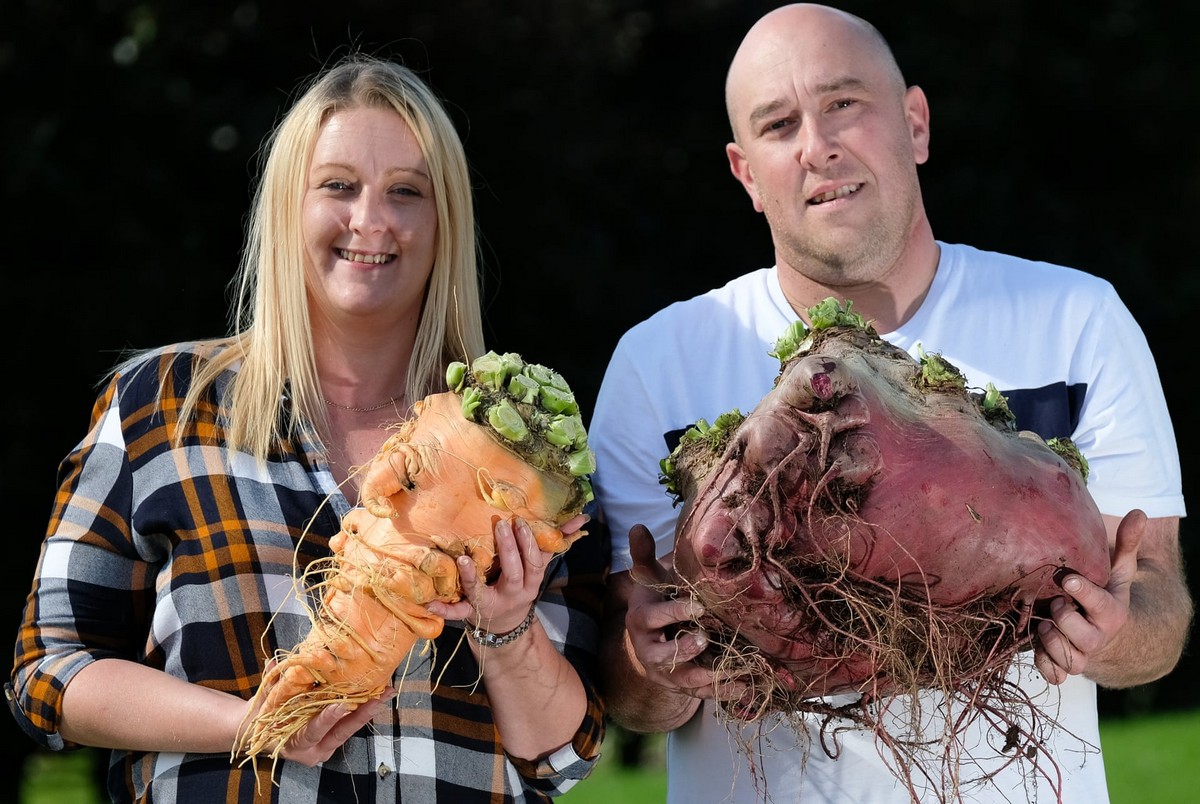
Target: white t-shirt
1057, 342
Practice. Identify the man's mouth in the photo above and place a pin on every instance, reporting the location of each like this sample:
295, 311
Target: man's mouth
841, 192
370, 259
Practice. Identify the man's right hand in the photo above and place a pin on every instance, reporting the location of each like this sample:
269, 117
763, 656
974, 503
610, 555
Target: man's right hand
661, 629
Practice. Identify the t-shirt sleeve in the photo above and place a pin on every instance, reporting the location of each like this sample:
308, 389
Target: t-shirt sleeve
627, 434
1125, 429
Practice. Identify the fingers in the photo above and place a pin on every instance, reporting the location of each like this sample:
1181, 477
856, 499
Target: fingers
522, 562
1057, 656
348, 723
504, 604
1045, 663
522, 569
1093, 614
574, 524
665, 639
1125, 552
1088, 617
331, 727
655, 615
671, 654
533, 559
461, 610
669, 657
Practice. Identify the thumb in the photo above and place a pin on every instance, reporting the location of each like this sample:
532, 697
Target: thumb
1125, 551
646, 570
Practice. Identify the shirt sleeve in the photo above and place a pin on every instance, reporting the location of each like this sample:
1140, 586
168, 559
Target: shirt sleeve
1125, 429
628, 436
91, 591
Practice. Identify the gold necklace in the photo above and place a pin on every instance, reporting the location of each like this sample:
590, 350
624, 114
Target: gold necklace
380, 406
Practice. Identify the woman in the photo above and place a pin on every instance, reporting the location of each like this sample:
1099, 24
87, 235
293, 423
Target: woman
214, 469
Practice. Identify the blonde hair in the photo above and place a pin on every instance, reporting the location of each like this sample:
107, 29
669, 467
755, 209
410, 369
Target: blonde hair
271, 336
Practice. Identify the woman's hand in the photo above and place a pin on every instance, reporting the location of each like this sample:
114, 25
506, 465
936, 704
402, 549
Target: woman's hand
502, 606
330, 729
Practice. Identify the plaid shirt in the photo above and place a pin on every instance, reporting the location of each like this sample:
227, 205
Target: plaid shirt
179, 557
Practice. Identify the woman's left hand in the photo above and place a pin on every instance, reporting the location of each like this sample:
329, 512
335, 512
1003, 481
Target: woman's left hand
502, 606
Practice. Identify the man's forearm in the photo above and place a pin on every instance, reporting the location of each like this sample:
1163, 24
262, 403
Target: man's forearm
1152, 641
1160, 614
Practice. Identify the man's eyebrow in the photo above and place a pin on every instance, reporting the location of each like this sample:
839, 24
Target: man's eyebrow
840, 84
836, 85
764, 110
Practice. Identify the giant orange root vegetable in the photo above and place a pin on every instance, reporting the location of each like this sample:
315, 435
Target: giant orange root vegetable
506, 441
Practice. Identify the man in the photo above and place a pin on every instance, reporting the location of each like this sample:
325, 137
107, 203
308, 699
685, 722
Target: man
827, 140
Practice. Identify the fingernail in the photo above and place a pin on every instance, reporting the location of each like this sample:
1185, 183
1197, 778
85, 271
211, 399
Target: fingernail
1073, 584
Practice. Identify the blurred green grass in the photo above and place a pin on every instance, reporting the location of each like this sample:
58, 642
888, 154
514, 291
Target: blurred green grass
1150, 760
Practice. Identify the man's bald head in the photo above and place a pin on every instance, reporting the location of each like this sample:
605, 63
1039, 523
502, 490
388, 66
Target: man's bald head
800, 31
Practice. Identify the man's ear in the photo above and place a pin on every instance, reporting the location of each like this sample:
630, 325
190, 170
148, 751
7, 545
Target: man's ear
740, 166
916, 111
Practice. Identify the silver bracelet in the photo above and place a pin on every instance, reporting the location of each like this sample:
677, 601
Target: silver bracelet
487, 639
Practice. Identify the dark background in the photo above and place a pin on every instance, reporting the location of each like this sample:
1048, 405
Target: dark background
129, 133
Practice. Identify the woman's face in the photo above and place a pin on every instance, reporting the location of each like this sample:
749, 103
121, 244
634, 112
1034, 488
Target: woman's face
369, 220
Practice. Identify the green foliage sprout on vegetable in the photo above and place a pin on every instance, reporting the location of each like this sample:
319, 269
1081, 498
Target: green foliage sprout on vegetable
1065, 448
936, 373
714, 437
791, 342
531, 407
796, 339
832, 313
994, 407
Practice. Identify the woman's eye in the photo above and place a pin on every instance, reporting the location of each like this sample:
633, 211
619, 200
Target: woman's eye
407, 191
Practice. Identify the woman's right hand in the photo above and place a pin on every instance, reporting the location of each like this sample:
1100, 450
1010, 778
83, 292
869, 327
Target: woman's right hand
330, 729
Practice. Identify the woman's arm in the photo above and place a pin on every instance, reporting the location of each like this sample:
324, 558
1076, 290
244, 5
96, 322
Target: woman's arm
115, 703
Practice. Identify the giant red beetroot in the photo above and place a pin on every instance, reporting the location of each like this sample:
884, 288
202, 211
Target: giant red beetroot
874, 527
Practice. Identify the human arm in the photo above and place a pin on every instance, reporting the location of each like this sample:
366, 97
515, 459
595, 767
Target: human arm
1133, 630
547, 710
115, 703
117, 596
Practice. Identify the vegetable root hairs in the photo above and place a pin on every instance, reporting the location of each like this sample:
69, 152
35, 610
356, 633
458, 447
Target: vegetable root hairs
875, 532
506, 441
917, 647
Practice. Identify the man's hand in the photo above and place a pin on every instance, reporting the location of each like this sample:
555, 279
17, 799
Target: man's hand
1085, 620
662, 631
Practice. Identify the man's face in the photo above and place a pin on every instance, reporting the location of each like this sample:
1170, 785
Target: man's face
828, 141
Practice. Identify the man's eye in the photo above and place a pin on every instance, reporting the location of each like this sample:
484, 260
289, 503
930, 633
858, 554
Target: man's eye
843, 104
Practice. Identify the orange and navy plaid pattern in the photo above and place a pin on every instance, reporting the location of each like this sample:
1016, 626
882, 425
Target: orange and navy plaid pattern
182, 557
